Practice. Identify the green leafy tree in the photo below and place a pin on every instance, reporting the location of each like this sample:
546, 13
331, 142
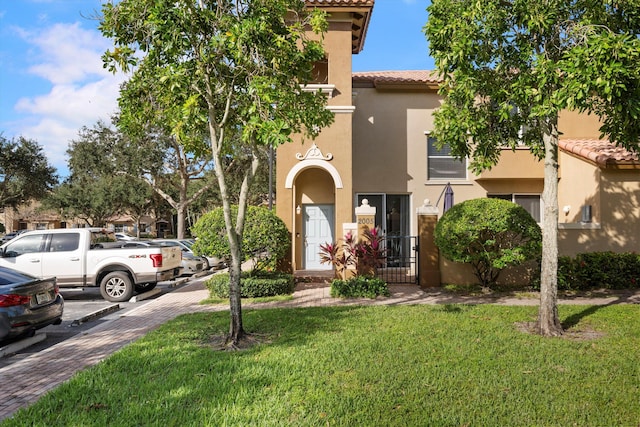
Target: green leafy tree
25, 173
489, 234
265, 239
165, 162
95, 189
510, 66
91, 200
258, 193
220, 69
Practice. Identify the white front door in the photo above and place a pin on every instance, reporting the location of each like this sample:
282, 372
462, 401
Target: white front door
318, 230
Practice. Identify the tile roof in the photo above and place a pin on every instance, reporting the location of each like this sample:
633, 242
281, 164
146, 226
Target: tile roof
345, 3
360, 12
397, 77
601, 152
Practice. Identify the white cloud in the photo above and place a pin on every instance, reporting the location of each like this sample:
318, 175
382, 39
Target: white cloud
67, 53
64, 110
77, 104
81, 90
54, 136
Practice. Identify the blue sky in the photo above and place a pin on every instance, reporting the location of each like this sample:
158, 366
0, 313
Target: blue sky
52, 82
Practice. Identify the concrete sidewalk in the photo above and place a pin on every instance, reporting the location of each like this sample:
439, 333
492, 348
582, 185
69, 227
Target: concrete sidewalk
24, 382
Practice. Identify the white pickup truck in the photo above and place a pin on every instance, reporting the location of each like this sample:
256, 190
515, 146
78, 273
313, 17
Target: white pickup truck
81, 257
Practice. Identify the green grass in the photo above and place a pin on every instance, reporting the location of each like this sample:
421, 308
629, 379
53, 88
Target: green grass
447, 365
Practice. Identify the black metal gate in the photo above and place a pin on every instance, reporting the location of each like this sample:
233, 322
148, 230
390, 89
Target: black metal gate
401, 260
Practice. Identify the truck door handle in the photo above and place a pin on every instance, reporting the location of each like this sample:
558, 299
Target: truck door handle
74, 259
34, 260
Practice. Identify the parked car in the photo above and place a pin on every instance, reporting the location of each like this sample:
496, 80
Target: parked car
191, 263
27, 303
124, 236
10, 236
86, 257
211, 261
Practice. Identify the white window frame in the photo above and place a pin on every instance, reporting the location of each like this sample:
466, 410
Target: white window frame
443, 157
513, 200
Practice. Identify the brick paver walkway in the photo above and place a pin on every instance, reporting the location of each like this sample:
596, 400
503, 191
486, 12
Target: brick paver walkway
23, 382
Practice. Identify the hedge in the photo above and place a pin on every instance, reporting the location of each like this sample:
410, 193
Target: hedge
599, 270
252, 284
359, 286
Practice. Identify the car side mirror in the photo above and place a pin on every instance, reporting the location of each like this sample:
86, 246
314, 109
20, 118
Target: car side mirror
8, 254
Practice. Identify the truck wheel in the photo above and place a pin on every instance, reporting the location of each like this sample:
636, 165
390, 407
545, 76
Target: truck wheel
145, 287
116, 287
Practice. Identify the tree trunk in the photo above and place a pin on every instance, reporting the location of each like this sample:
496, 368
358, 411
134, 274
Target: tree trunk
236, 330
180, 226
182, 204
548, 323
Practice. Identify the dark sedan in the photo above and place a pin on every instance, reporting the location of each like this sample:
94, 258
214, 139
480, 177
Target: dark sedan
27, 303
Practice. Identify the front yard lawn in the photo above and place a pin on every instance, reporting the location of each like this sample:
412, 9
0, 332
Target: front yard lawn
446, 365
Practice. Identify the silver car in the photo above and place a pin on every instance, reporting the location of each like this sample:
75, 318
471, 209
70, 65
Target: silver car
27, 303
191, 264
10, 236
211, 262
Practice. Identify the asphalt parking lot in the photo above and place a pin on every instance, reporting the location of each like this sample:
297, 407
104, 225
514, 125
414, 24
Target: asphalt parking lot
84, 309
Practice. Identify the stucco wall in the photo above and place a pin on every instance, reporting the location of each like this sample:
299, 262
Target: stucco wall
313, 184
574, 125
616, 215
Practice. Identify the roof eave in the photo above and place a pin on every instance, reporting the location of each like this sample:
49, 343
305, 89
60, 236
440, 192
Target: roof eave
361, 16
602, 161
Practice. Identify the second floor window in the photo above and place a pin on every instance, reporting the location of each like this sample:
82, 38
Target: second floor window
321, 72
441, 164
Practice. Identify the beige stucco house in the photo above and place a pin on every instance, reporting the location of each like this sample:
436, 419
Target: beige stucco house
31, 216
379, 149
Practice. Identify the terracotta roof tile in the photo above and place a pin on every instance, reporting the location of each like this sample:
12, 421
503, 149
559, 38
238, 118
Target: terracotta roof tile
601, 152
360, 11
345, 3
397, 77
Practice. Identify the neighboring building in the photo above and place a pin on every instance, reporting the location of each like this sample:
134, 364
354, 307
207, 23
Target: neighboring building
29, 217
379, 148
32, 217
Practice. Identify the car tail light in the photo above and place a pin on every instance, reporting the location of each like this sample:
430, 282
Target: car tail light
12, 300
157, 260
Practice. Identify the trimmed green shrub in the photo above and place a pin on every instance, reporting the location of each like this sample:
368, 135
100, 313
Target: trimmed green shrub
599, 270
265, 238
359, 286
490, 234
253, 284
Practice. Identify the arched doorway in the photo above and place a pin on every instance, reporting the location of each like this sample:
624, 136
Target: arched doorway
315, 216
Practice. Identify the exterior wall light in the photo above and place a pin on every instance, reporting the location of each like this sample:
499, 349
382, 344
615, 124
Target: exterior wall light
586, 214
